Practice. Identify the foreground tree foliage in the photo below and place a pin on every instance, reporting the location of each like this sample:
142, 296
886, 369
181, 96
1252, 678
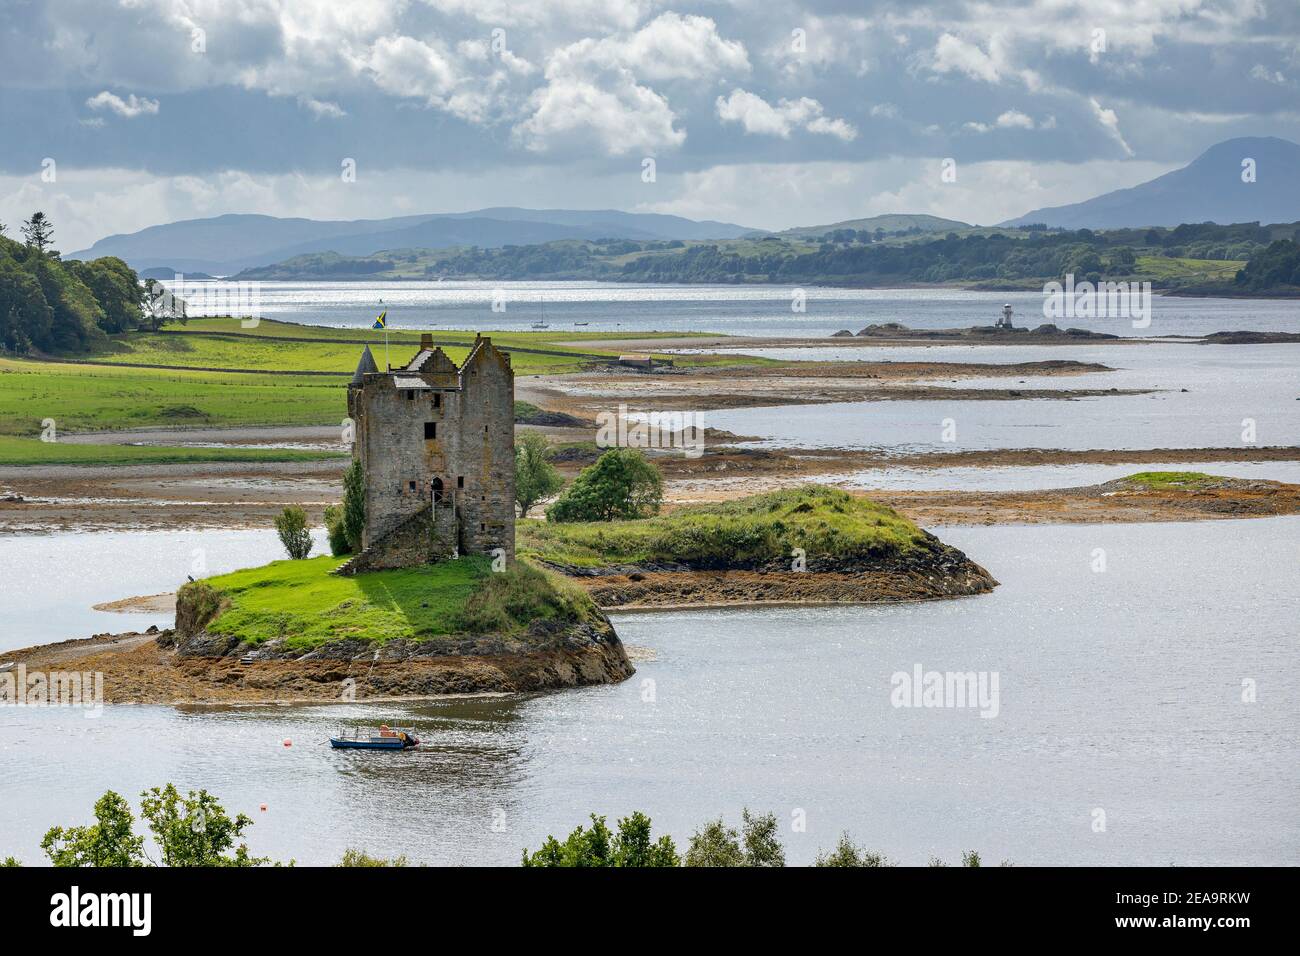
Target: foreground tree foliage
631, 846
360, 858
620, 485
847, 854
109, 841
535, 477
190, 830
756, 844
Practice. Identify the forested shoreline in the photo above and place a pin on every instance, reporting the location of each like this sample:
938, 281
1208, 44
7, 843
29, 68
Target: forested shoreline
51, 306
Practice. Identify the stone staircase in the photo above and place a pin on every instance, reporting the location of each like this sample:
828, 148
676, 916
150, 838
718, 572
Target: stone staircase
361, 561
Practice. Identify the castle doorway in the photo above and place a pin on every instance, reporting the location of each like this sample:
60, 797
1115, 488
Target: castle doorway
437, 490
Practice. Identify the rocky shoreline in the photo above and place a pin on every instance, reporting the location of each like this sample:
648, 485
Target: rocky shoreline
170, 667
939, 571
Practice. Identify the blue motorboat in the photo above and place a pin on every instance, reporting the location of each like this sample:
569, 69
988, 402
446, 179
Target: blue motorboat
382, 739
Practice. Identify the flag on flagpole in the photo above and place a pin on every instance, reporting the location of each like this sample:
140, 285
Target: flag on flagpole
382, 323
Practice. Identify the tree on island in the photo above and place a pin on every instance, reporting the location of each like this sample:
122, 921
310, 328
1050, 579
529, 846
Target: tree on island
38, 231
535, 477
621, 484
338, 539
291, 526
354, 504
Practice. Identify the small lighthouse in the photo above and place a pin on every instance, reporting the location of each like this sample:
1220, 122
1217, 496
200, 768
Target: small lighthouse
1005, 321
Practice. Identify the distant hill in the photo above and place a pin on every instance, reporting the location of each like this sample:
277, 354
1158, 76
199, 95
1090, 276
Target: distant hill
898, 222
1209, 189
224, 245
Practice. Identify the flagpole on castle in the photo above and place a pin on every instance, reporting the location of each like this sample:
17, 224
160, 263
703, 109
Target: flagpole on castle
381, 322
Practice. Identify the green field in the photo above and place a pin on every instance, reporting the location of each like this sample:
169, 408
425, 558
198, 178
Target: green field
555, 338
85, 398
106, 392
825, 522
301, 602
1201, 270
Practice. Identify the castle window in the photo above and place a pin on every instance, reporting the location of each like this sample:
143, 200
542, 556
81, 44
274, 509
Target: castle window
430, 430
437, 400
410, 485
410, 394
484, 429
460, 481
482, 527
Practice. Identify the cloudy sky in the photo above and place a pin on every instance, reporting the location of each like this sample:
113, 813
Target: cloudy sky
119, 114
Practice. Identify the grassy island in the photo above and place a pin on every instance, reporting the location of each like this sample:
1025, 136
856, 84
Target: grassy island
1165, 480
827, 523
302, 604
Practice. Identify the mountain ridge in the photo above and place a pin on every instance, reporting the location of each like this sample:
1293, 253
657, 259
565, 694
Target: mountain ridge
205, 244
1208, 189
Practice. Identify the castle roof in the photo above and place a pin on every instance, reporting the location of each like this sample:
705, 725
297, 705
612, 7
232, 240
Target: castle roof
365, 366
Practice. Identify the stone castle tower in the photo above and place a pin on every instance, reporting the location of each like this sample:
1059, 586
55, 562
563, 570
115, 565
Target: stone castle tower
436, 443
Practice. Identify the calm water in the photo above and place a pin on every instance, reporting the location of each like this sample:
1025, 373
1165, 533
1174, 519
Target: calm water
1035, 477
735, 310
1204, 394
50, 582
1119, 691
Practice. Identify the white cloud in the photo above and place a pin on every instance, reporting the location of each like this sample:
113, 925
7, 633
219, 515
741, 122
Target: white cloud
594, 95
1011, 119
1014, 119
130, 108
617, 116
669, 47
1110, 122
758, 116
587, 14
1261, 72
952, 54
321, 109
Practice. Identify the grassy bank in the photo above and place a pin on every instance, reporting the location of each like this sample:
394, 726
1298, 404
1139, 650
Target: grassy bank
824, 522
301, 602
1164, 480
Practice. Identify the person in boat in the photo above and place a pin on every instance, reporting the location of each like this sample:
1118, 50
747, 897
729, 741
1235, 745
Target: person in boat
384, 731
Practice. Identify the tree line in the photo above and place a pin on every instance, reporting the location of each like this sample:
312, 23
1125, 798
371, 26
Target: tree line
842, 257
194, 829
51, 306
